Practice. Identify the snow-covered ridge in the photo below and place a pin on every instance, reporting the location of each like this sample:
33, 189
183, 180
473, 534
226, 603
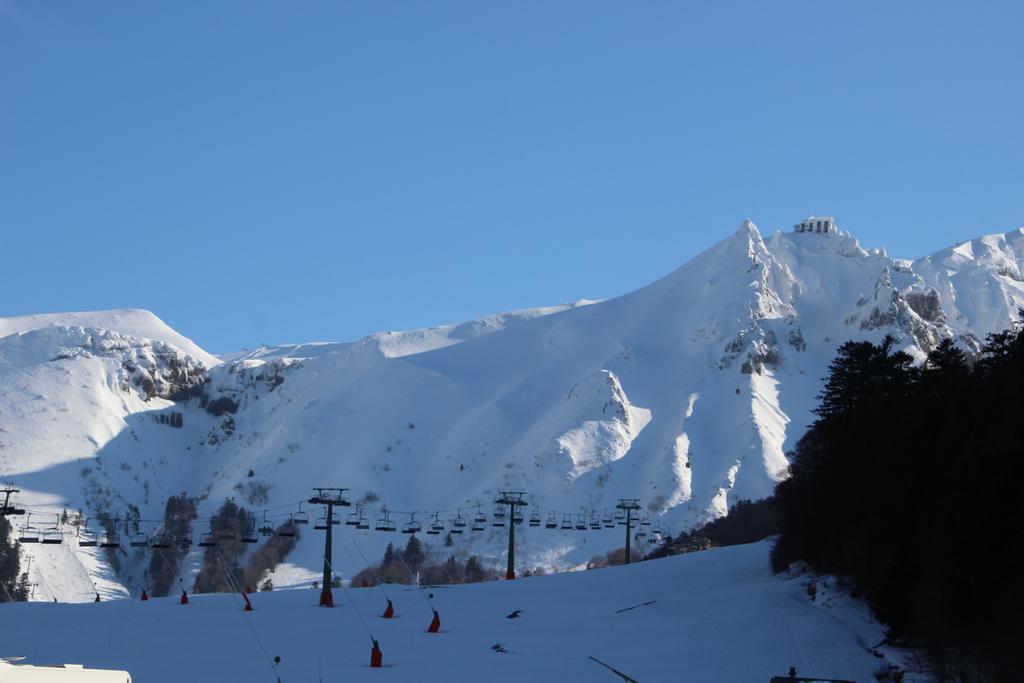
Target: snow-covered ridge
687, 394
395, 344
129, 321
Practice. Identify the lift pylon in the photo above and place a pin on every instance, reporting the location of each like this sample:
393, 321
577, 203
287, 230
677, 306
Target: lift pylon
329, 498
513, 499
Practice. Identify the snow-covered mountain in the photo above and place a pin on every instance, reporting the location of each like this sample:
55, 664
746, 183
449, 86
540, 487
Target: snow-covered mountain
685, 394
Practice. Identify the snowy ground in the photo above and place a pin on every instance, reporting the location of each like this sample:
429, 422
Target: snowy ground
719, 615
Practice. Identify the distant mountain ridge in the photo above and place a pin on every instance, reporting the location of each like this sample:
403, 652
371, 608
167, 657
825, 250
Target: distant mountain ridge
686, 394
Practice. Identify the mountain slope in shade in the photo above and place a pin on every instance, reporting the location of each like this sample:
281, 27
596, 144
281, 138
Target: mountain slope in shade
685, 394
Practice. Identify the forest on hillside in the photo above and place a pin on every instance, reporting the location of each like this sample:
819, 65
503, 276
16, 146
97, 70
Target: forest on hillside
908, 486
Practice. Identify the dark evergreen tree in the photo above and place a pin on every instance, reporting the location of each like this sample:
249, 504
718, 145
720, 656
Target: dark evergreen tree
413, 553
907, 486
13, 583
222, 560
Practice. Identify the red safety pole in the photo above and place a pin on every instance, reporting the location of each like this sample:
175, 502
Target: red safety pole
376, 656
97, 597
435, 623
248, 605
389, 611
184, 597
145, 595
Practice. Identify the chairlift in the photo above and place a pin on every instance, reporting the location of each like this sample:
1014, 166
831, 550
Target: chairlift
412, 526
646, 521
183, 540
86, 538
110, 539
51, 536
300, 517
29, 534
567, 521
227, 533
249, 535
620, 517
436, 526
207, 540
640, 534
385, 523
552, 522
581, 522
595, 522
321, 522
657, 528
352, 518
608, 520
265, 528
498, 517
138, 540
534, 518
479, 521
458, 523
364, 523
287, 530
161, 542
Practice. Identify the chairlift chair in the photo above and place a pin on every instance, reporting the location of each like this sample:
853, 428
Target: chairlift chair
436, 526
300, 517
352, 518
641, 534
249, 535
479, 521
321, 522
207, 540
646, 521
552, 522
595, 522
620, 517
364, 523
581, 522
287, 530
86, 538
498, 517
567, 521
161, 542
138, 540
385, 524
110, 540
265, 528
227, 534
29, 534
518, 517
534, 518
52, 536
183, 540
458, 523
608, 520
412, 526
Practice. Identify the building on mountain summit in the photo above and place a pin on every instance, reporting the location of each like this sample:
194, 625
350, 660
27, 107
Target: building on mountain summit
824, 224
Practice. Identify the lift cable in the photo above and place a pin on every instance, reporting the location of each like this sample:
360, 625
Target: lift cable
236, 588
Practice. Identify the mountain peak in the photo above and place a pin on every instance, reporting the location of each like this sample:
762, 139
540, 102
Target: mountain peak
134, 322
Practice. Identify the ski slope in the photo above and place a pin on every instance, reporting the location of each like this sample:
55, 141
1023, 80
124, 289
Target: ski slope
717, 616
686, 394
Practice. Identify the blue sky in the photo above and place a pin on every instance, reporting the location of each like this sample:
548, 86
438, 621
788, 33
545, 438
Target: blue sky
266, 172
